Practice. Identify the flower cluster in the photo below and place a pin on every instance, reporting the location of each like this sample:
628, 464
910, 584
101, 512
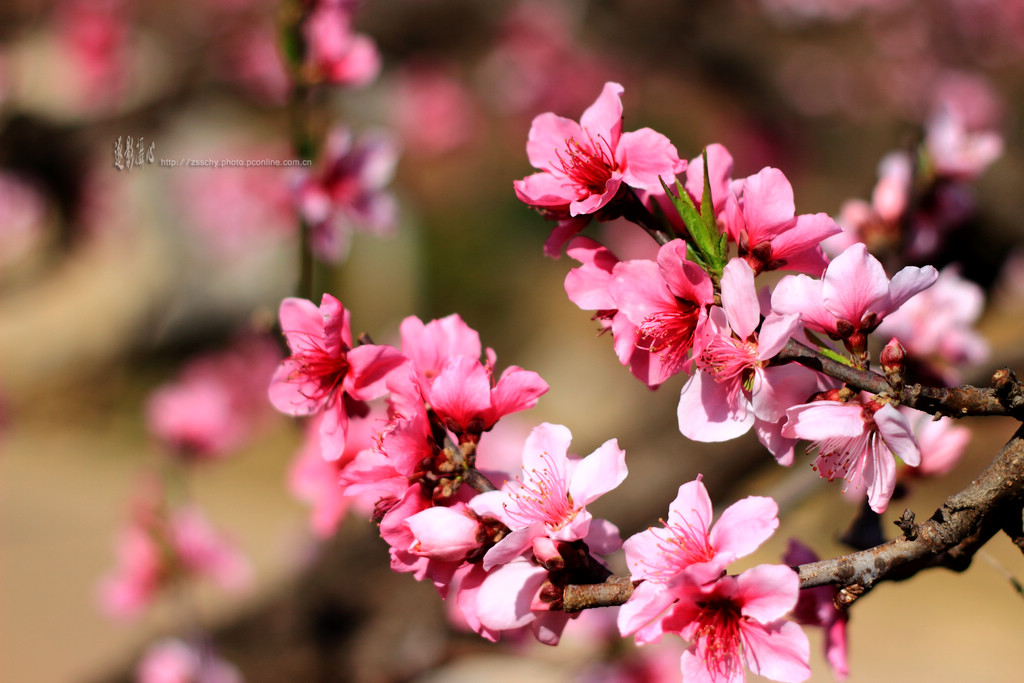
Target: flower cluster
419, 465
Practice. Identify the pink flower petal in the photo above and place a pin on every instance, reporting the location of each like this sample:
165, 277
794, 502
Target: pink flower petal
598, 473
745, 525
604, 117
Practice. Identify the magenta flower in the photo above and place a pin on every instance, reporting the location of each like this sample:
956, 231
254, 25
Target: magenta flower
852, 298
687, 544
583, 165
665, 301
737, 621
550, 497
733, 385
445, 533
856, 441
324, 373
347, 193
760, 216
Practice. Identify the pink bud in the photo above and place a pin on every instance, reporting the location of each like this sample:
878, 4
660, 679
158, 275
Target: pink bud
444, 533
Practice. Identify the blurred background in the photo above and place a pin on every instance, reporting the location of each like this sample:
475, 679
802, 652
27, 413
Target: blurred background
120, 272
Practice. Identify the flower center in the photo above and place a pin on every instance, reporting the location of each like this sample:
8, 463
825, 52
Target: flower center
727, 358
669, 333
588, 166
319, 370
719, 632
542, 496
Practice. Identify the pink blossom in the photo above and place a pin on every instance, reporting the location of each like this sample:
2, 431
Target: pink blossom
737, 621
446, 373
216, 403
334, 52
347, 193
760, 216
157, 549
852, 298
445, 533
317, 481
733, 385
942, 443
937, 327
589, 286
324, 372
96, 37
583, 165
175, 661
688, 544
508, 599
954, 150
856, 440
550, 497
666, 302
22, 221
816, 607
434, 111
878, 223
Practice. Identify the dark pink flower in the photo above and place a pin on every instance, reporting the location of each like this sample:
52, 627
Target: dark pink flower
583, 165
324, 372
665, 301
737, 622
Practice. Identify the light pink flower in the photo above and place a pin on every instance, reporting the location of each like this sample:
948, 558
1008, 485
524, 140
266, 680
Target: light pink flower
760, 216
666, 301
856, 440
937, 327
434, 111
334, 52
550, 497
688, 544
942, 443
954, 150
175, 661
737, 621
324, 372
445, 533
816, 607
733, 385
853, 296
583, 165
347, 193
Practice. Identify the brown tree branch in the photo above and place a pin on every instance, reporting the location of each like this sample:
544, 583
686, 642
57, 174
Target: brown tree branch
1004, 397
950, 538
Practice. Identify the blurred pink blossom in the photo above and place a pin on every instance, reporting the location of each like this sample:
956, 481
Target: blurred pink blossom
434, 112
346, 194
158, 548
216, 404
335, 53
175, 661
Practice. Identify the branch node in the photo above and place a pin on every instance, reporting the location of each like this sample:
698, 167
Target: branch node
848, 595
907, 525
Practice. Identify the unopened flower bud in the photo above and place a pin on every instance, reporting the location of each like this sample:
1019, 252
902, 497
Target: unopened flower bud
444, 533
894, 363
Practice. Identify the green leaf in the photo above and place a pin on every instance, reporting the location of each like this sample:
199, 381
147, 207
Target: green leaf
825, 350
